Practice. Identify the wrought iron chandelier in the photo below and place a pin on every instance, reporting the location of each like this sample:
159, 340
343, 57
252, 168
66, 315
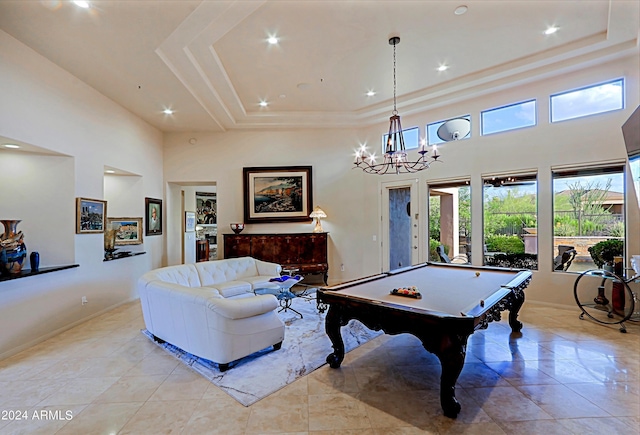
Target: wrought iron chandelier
395, 158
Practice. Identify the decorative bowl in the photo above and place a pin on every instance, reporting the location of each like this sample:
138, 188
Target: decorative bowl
237, 228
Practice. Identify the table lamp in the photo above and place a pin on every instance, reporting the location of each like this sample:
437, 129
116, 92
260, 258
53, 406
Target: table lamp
317, 214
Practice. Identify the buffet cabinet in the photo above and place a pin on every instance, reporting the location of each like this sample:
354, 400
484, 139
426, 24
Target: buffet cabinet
306, 252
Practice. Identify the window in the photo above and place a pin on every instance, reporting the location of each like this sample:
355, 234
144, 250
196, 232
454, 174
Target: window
591, 100
511, 221
634, 163
411, 139
450, 221
432, 131
588, 207
518, 115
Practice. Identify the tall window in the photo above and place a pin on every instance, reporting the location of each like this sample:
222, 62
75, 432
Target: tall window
511, 221
518, 115
411, 139
450, 222
634, 163
600, 98
588, 207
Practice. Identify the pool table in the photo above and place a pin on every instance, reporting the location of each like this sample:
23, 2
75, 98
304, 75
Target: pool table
455, 301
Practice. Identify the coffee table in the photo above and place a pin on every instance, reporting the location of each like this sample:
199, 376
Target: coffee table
282, 291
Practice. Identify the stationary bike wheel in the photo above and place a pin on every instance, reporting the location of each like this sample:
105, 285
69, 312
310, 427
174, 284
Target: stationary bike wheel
603, 297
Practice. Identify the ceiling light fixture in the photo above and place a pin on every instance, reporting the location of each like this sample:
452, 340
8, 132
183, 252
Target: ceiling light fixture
109, 171
551, 30
263, 104
395, 156
370, 93
460, 10
167, 112
82, 4
11, 145
443, 68
272, 40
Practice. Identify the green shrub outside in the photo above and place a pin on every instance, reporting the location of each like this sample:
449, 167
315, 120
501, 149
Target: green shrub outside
504, 243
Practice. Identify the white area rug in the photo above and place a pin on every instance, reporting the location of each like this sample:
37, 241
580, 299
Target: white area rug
305, 348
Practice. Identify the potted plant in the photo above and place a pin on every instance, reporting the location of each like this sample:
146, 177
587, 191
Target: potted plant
603, 252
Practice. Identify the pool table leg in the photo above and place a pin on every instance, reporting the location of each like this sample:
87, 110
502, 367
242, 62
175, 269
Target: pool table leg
332, 327
451, 356
517, 299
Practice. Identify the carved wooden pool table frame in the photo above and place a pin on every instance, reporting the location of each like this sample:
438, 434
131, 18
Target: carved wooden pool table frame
441, 334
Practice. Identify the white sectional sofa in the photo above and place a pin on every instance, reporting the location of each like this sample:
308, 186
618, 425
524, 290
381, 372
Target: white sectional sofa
209, 309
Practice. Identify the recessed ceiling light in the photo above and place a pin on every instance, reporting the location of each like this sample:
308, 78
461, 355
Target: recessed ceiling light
11, 145
272, 40
460, 10
82, 4
443, 68
551, 30
370, 93
167, 112
109, 171
263, 104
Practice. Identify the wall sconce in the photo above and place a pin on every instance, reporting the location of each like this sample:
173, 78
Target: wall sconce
318, 214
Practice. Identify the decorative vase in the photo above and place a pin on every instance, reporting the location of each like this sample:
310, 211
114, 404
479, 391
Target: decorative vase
12, 243
34, 258
109, 243
237, 228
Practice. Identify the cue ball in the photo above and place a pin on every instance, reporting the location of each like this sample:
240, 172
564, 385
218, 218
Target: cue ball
477, 273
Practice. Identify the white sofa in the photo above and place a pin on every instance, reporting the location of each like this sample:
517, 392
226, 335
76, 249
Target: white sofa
209, 309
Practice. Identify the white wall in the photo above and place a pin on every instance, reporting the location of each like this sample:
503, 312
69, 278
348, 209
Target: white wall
45, 106
351, 199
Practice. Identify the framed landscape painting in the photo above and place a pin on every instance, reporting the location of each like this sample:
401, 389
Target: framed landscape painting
90, 215
277, 194
128, 230
153, 221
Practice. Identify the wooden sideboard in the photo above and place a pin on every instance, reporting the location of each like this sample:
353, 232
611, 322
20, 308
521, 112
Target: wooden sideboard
305, 251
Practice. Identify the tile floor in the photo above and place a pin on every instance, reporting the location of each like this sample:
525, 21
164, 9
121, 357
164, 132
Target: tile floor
562, 376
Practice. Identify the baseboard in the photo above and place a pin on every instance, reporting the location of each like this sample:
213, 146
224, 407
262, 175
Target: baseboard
60, 330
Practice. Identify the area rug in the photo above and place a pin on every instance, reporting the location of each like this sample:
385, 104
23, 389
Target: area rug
305, 348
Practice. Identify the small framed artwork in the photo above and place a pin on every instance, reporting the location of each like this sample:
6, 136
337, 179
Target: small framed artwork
189, 221
153, 221
128, 230
90, 215
206, 208
277, 194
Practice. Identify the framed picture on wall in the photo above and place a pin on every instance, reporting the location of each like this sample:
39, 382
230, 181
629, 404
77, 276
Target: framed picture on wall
277, 194
206, 208
90, 215
128, 230
189, 221
153, 221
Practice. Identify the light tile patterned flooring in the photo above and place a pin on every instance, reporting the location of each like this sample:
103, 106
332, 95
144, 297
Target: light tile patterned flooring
562, 376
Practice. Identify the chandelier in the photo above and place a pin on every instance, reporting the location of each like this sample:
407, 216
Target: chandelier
395, 158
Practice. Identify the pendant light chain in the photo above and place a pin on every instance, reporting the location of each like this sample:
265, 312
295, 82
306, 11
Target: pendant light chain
395, 110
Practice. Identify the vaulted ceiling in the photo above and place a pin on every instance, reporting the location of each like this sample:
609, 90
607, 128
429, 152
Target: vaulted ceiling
210, 61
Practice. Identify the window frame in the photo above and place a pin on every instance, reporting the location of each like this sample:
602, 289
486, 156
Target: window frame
621, 80
520, 103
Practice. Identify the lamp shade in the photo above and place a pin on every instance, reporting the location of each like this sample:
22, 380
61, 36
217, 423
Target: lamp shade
318, 213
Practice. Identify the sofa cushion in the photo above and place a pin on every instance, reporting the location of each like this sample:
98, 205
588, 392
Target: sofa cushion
182, 274
232, 288
231, 269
